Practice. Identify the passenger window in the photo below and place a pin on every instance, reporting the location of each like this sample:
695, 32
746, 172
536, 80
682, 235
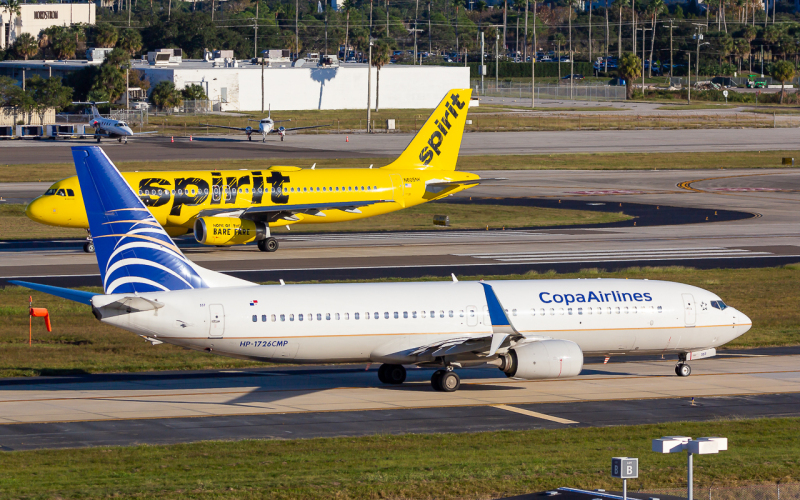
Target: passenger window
376, 187
272, 318
608, 310
337, 316
513, 312
337, 188
441, 314
376, 315
299, 317
569, 311
422, 313
659, 309
355, 316
541, 312
533, 312
396, 315
386, 315
255, 318
366, 315
310, 316
346, 315
263, 318
580, 311
414, 314
588, 310
328, 316
461, 313
552, 312
560, 311
618, 310
634, 309
70, 192
291, 317
451, 313
405, 314
283, 317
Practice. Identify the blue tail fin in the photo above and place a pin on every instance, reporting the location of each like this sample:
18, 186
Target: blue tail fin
134, 252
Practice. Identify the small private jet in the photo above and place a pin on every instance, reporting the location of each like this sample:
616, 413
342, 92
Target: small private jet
266, 126
108, 127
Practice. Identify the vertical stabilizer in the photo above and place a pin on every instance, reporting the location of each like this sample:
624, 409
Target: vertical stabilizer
133, 251
438, 142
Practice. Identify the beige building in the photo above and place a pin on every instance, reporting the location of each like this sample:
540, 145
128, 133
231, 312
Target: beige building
34, 17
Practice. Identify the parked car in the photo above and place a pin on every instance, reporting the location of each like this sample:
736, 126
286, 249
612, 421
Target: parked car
576, 76
140, 105
616, 82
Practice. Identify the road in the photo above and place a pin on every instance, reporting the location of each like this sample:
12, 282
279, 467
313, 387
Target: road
324, 146
303, 402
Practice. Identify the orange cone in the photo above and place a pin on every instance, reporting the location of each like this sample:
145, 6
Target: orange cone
190, 138
173, 139
347, 138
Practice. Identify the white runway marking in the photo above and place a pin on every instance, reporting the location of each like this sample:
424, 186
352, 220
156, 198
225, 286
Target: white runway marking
619, 255
413, 235
535, 414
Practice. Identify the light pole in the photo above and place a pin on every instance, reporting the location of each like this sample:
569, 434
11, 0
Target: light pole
369, 87
699, 446
483, 67
644, 34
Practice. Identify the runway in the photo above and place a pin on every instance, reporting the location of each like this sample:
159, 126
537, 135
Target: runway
704, 219
322, 146
302, 402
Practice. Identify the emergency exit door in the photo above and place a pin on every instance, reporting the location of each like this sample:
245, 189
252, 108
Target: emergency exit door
217, 321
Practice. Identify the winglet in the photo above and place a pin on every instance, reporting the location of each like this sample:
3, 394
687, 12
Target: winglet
501, 324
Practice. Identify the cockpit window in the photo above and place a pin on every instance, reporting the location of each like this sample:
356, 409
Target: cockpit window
50, 192
61, 192
70, 192
718, 304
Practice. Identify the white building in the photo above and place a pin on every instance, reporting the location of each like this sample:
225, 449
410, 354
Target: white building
34, 17
236, 85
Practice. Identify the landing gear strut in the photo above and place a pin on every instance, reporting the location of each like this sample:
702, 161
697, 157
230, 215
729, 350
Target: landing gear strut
268, 245
392, 374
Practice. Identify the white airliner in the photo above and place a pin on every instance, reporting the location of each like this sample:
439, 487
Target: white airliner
266, 126
534, 329
108, 127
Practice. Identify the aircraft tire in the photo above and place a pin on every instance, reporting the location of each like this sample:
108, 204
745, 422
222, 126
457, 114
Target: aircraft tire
450, 382
382, 374
683, 370
88, 247
394, 374
249, 138
270, 245
119, 140
98, 140
436, 380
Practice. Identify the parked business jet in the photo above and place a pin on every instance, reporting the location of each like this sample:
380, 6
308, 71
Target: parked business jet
535, 329
266, 126
108, 127
240, 206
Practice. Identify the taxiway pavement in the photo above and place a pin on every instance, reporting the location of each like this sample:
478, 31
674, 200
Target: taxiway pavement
302, 402
322, 146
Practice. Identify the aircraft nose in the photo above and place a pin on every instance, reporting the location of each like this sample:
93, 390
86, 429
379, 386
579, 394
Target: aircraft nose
36, 210
743, 320
128, 130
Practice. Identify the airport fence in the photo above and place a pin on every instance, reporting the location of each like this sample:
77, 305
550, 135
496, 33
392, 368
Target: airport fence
563, 91
775, 491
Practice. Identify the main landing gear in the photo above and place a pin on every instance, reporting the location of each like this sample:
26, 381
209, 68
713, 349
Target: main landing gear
445, 380
268, 245
392, 374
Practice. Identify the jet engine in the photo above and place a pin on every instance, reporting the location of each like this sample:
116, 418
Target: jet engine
219, 231
542, 359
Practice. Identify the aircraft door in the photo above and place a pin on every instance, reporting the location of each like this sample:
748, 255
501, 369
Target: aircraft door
398, 189
689, 310
472, 316
216, 193
217, 321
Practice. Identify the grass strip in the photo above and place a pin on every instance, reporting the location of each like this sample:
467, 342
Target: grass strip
15, 225
50, 172
442, 466
81, 344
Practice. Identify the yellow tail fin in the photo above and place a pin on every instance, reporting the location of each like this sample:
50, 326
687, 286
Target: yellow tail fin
437, 143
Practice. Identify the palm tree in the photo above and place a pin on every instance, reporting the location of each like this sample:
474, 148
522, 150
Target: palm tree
655, 8
12, 7
381, 55
347, 6
620, 4
742, 50
782, 71
750, 33
26, 46
131, 41
771, 35
457, 4
106, 35
630, 67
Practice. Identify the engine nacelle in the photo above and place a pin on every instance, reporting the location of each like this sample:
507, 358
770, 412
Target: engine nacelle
219, 231
543, 359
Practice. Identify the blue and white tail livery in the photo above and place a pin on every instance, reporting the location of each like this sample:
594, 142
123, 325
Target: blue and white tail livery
133, 251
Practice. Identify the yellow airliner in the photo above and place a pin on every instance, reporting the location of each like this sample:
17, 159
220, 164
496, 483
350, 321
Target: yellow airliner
232, 207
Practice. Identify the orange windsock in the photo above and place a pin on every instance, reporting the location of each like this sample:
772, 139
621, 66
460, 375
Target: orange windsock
41, 312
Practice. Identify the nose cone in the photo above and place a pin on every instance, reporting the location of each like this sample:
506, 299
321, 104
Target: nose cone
127, 130
743, 320
36, 210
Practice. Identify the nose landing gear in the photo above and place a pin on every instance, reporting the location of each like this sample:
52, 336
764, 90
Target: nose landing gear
683, 370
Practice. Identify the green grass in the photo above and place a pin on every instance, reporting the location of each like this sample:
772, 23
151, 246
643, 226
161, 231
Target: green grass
442, 466
15, 225
51, 172
687, 107
79, 343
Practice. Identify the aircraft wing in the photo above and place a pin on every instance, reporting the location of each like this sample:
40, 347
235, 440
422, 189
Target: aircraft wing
437, 186
145, 133
222, 126
273, 213
452, 347
275, 131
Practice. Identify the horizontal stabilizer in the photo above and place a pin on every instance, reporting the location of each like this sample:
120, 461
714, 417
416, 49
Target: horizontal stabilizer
437, 186
65, 293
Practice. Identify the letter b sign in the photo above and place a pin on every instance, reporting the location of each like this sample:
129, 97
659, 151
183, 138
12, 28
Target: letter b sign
625, 468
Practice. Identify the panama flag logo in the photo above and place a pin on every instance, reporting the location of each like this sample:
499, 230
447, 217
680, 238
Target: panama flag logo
253, 302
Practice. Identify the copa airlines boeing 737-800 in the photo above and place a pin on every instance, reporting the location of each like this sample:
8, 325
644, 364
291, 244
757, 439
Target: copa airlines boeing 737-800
531, 329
